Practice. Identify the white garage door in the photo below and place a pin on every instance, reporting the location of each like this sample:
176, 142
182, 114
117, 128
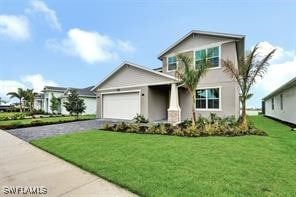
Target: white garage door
121, 105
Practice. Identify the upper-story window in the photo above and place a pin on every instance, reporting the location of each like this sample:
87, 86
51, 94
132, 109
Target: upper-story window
212, 54
172, 63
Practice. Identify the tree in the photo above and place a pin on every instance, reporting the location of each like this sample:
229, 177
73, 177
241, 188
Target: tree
190, 76
20, 94
2, 101
73, 104
55, 103
250, 67
29, 98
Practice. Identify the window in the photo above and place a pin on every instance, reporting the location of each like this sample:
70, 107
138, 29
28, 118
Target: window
208, 98
212, 55
282, 102
272, 103
172, 63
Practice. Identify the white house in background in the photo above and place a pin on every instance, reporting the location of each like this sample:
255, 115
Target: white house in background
42, 101
281, 103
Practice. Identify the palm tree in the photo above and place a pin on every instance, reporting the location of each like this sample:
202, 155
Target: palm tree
29, 98
2, 101
20, 94
190, 76
250, 67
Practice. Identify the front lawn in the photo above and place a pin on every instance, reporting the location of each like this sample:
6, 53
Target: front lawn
157, 165
10, 124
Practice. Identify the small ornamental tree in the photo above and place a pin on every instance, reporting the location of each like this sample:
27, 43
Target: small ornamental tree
74, 104
55, 103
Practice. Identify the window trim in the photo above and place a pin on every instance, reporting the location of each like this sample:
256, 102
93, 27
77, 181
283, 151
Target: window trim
167, 60
205, 48
210, 109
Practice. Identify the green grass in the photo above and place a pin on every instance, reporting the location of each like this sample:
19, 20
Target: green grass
155, 165
49, 120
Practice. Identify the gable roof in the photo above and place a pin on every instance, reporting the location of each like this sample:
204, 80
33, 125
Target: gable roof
83, 91
136, 66
206, 33
286, 86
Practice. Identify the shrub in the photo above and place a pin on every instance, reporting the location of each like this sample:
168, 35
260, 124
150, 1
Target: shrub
201, 121
143, 129
191, 131
178, 131
106, 127
152, 129
133, 128
139, 118
184, 124
121, 127
18, 116
213, 126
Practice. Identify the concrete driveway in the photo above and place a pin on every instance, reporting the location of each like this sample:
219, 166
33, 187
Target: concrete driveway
32, 133
22, 165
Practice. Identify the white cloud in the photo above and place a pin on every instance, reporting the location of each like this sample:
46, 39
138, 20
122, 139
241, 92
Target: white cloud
125, 46
280, 54
91, 47
282, 68
39, 6
36, 81
15, 27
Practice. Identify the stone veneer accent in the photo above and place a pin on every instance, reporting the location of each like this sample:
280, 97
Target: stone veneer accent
174, 116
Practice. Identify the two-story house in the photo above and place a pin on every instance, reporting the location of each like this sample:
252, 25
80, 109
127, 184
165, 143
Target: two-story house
158, 94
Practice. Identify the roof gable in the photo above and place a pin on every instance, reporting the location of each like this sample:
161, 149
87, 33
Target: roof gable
201, 33
130, 74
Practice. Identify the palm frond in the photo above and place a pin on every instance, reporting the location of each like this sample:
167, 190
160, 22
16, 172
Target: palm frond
260, 68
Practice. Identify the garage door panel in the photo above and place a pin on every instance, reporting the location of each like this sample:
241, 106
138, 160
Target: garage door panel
121, 105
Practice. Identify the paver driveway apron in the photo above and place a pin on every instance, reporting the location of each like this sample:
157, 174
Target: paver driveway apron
32, 133
22, 164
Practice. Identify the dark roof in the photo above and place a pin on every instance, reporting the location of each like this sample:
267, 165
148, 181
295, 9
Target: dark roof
59, 89
158, 69
286, 86
83, 91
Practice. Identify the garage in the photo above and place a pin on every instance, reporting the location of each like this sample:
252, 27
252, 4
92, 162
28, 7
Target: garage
123, 105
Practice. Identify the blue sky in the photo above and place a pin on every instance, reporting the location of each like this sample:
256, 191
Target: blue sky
40, 41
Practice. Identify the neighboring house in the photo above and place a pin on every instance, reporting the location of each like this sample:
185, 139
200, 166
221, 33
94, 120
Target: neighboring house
281, 103
157, 94
44, 99
87, 95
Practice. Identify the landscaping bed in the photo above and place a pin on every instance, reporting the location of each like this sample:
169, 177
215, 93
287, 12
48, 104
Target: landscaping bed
31, 122
212, 126
160, 165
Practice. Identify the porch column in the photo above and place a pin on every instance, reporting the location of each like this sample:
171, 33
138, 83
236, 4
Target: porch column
174, 111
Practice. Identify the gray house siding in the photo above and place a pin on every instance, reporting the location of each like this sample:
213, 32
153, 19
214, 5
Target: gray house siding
158, 103
214, 78
288, 112
131, 76
229, 101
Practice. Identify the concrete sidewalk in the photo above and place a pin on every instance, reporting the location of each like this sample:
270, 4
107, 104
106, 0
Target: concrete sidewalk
22, 164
